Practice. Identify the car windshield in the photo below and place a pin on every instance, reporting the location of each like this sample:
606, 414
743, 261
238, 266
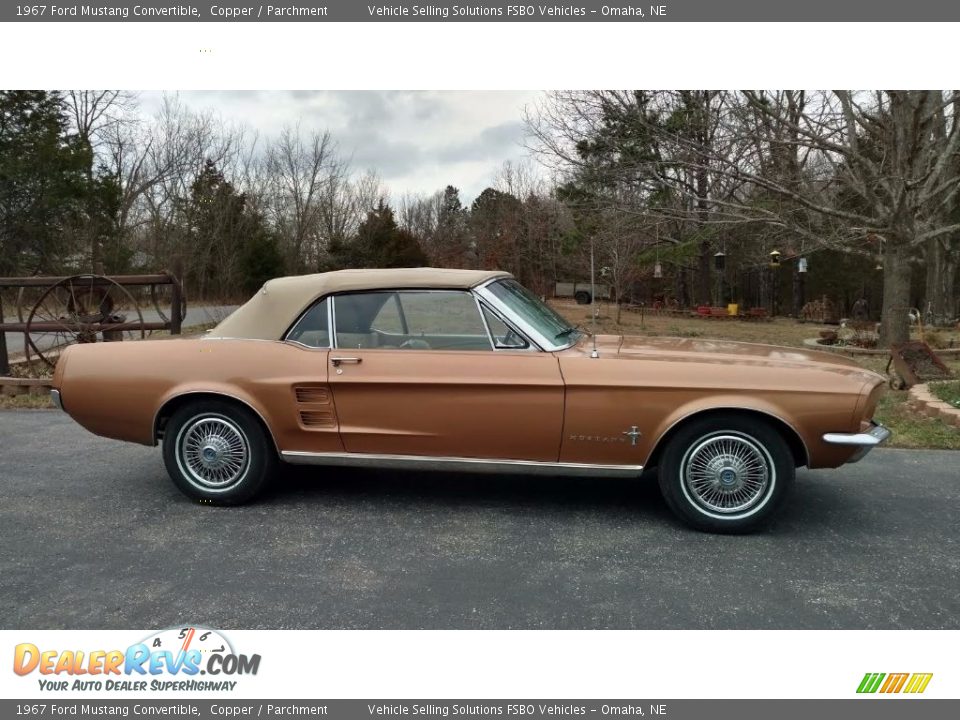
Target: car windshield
534, 312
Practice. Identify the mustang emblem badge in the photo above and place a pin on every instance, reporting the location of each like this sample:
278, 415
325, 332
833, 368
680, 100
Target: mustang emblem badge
633, 434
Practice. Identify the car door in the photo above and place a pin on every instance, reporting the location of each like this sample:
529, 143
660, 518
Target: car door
415, 372
312, 426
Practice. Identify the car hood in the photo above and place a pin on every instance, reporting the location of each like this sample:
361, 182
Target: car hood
699, 350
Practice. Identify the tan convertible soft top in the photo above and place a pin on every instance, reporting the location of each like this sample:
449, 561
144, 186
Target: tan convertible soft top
268, 314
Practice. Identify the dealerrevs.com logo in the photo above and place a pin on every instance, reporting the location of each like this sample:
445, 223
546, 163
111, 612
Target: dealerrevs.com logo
910, 683
171, 659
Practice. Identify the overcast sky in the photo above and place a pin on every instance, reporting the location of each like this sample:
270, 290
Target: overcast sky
416, 141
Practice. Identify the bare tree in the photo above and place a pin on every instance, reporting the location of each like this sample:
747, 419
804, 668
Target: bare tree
304, 172
841, 169
97, 115
618, 242
159, 164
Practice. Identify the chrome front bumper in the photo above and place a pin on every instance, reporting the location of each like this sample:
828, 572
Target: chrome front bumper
864, 442
55, 397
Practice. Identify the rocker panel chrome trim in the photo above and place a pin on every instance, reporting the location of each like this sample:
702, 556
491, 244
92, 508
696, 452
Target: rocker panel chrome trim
423, 462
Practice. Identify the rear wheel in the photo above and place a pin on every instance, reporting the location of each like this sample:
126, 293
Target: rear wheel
217, 452
726, 474
582, 297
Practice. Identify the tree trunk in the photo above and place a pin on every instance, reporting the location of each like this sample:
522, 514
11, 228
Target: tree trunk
704, 291
894, 318
941, 296
763, 288
683, 293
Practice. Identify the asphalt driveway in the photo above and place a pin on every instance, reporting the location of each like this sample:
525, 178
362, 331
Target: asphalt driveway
92, 534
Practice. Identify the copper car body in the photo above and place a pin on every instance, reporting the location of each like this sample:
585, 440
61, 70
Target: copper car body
603, 405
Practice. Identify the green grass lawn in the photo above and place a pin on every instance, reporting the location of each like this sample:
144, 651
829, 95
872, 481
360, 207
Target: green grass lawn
912, 429
947, 391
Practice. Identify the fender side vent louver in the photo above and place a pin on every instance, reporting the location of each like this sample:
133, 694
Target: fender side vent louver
312, 395
317, 418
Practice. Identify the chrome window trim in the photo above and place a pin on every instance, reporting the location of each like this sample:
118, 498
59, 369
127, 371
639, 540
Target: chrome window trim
297, 457
213, 338
531, 345
293, 326
312, 348
483, 319
332, 319
542, 342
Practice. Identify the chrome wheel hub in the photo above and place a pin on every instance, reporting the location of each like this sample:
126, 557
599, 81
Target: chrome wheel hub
213, 452
728, 477
727, 474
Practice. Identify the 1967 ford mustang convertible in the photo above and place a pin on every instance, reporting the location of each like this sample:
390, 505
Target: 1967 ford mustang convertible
464, 369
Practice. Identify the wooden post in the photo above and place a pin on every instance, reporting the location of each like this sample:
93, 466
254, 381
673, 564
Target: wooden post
175, 304
4, 358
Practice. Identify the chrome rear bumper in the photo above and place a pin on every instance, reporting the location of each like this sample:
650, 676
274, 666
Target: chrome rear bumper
865, 442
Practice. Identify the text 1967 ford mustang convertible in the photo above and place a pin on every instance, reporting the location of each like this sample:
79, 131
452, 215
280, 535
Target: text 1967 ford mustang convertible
465, 369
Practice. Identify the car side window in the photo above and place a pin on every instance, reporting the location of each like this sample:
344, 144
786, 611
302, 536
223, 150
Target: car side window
312, 329
410, 320
389, 319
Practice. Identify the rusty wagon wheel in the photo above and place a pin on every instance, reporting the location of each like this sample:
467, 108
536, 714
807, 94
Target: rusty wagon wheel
75, 309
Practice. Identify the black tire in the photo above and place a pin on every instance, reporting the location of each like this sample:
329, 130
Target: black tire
582, 297
726, 474
232, 464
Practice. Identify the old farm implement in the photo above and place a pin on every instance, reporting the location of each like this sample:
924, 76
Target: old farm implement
913, 363
53, 313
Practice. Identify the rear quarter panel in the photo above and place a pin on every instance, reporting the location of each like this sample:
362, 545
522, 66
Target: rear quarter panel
116, 390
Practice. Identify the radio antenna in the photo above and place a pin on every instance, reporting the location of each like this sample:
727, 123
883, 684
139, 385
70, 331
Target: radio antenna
593, 303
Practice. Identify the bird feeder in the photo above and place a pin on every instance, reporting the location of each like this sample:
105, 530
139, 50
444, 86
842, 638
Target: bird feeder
720, 260
657, 270
775, 259
802, 265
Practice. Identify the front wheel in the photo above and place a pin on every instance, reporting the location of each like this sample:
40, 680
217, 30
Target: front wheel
217, 452
726, 474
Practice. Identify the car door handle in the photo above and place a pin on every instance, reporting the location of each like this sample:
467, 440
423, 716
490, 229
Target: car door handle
338, 361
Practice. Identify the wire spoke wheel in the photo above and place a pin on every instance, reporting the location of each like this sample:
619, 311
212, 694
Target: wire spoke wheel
213, 452
727, 473
81, 309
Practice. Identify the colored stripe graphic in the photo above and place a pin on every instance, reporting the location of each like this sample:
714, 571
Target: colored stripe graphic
894, 683
870, 682
918, 683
